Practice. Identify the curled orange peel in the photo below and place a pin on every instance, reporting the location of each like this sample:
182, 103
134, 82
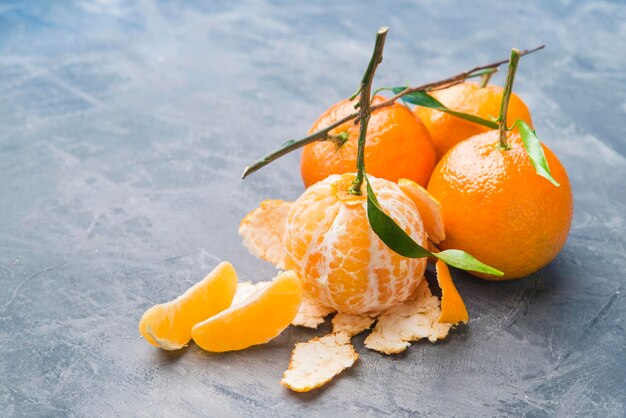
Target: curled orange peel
453, 310
428, 207
263, 230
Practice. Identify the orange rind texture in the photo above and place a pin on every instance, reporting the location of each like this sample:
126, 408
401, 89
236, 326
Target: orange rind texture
408, 321
453, 308
428, 207
311, 314
168, 325
315, 362
352, 324
263, 230
258, 319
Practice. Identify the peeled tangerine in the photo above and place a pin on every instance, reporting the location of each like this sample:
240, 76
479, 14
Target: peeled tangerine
168, 325
328, 242
255, 320
326, 239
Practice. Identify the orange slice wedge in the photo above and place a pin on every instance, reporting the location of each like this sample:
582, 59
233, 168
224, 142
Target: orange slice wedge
259, 318
453, 308
168, 325
428, 207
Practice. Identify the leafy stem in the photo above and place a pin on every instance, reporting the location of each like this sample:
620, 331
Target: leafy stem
322, 135
364, 106
486, 76
506, 96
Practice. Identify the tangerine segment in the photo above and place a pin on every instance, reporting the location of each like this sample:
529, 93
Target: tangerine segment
256, 320
168, 325
429, 208
453, 308
262, 231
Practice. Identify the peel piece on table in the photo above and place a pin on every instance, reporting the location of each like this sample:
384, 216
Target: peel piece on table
428, 207
311, 314
352, 324
262, 231
168, 325
317, 361
412, 320
453, 308
258, 319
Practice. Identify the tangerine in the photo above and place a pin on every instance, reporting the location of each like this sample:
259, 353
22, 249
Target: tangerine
343, 264
398, 145
447, 130
497, 208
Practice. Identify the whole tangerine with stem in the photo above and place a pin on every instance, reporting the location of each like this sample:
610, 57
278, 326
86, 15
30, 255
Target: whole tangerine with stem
398, 145
342, 263
447, 130
495, 204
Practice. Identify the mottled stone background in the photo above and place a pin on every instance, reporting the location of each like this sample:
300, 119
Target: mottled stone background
124, 127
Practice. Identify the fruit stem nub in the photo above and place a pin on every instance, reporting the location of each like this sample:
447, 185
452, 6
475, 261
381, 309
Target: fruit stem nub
506, 95
364, 106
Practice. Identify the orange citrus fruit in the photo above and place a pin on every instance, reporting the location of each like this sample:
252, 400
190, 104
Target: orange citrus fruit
468, 97
168, 325
257, 319
497, 208
343, 264
398, 145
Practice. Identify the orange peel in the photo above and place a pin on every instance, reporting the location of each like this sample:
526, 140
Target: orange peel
428, 207
352, 324
168, 325
316, 362
311, 314
263, 230
408, 321
258, 319
453, 308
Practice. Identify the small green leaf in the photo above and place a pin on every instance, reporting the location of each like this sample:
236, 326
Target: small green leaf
483, 72
388, 230
535, 151
421, 98
399, 241
464, 261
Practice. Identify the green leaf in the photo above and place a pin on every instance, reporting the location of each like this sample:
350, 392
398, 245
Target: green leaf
421, 98
464, 261
535, 151
399, 241
483, 72
388, 230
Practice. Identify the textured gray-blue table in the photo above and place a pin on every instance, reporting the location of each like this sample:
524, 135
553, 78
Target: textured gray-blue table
124, 128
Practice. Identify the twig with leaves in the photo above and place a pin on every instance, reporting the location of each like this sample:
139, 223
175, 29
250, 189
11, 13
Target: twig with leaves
415, 95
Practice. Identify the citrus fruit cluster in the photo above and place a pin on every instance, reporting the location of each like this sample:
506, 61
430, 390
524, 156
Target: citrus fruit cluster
443, 180
495, 206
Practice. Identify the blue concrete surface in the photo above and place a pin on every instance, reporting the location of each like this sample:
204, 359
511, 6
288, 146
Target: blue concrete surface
124, 127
